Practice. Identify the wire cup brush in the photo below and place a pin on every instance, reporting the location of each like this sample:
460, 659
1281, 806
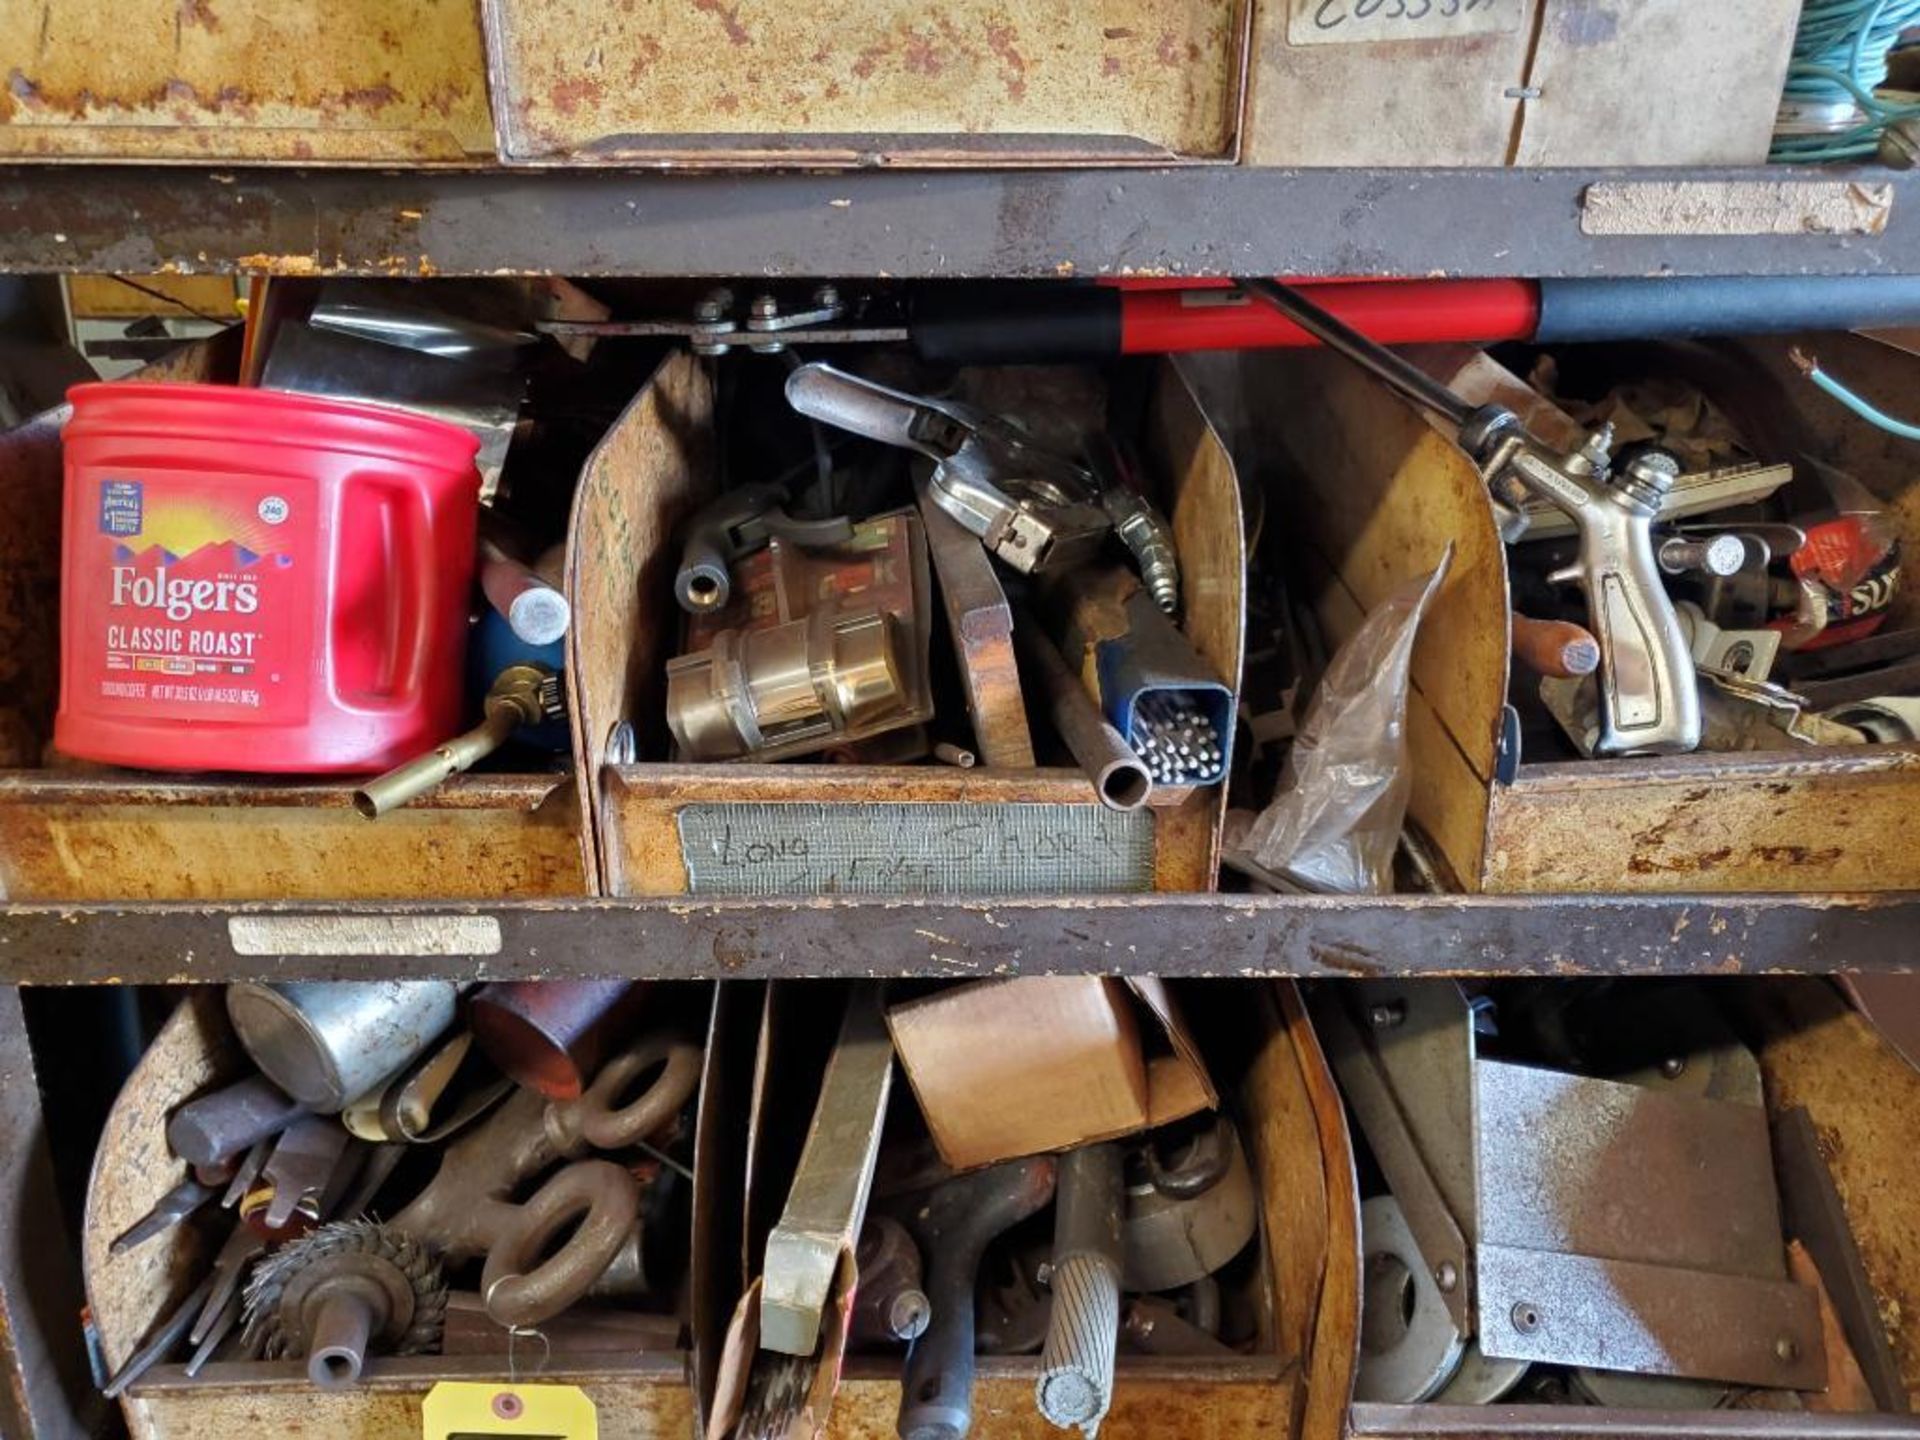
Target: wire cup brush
349, 1288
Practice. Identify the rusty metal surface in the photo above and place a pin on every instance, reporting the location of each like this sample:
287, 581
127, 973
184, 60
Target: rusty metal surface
1333, 1353
194, 1052
650, 470
200, 80
133, 1166
1822, 820
865, 81
138, 836
680, 937
1179, 1399
1862, 1099
1202, 220
402, 1373
45, 1390
645, 1398
1816, 1218
1590, 1422
1382, 493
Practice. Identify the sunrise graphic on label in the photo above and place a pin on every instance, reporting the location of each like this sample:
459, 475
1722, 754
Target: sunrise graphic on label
258, 582
193, 604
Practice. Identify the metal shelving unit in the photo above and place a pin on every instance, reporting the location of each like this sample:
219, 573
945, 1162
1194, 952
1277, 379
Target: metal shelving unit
906, 225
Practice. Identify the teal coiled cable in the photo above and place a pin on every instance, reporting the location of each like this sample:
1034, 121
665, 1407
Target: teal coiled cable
1840, 58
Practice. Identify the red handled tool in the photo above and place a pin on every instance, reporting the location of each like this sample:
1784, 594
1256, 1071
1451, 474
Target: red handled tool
1012, 322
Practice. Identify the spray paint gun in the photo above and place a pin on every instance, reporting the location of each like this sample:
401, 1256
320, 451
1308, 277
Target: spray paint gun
1649, 697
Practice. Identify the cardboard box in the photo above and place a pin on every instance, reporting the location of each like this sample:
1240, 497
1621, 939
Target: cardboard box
1005, 1068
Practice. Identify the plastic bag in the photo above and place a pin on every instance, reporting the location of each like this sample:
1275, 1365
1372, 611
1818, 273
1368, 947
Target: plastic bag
1335, 821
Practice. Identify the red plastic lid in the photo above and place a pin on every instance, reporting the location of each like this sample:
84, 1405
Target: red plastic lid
268, 417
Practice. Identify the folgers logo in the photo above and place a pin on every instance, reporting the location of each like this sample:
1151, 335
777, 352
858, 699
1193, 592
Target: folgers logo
182, 598
208, 582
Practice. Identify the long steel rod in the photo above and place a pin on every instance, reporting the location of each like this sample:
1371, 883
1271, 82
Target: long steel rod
1393, 371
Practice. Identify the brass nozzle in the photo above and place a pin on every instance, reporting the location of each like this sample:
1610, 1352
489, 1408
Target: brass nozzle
520, 695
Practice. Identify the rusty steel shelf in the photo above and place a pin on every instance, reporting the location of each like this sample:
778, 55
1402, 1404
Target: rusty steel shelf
1596, 1422
1168, 935
1198, 220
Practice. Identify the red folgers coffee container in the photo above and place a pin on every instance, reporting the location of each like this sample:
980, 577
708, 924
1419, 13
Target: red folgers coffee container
259, 581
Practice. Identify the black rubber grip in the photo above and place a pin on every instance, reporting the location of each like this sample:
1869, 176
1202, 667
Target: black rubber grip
1017, 323
1677, 309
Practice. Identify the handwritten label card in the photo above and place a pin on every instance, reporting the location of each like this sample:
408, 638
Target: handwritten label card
917, 849
1352, 22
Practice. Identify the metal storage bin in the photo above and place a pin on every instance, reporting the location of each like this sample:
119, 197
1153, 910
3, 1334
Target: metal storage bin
653, 468
1294, 1386
641, 1394
1381, 491
764, 84
1516, 82
360, 82
1833, 1081
94, 833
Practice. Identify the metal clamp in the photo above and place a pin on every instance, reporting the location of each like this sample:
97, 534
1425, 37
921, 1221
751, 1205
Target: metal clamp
1033, 509
768, 329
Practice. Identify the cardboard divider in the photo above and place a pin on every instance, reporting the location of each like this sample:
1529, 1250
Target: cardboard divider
650, 471
74, 831
653, 468
1376, 492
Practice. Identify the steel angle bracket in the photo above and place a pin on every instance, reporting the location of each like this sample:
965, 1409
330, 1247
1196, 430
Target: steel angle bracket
1632, 1229
828, 1201
1402, 1140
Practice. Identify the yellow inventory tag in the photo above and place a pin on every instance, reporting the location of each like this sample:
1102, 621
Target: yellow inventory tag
473, 1409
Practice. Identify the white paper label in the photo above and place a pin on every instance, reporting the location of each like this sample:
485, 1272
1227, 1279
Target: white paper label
1736, 207
421, 936
1356, 22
